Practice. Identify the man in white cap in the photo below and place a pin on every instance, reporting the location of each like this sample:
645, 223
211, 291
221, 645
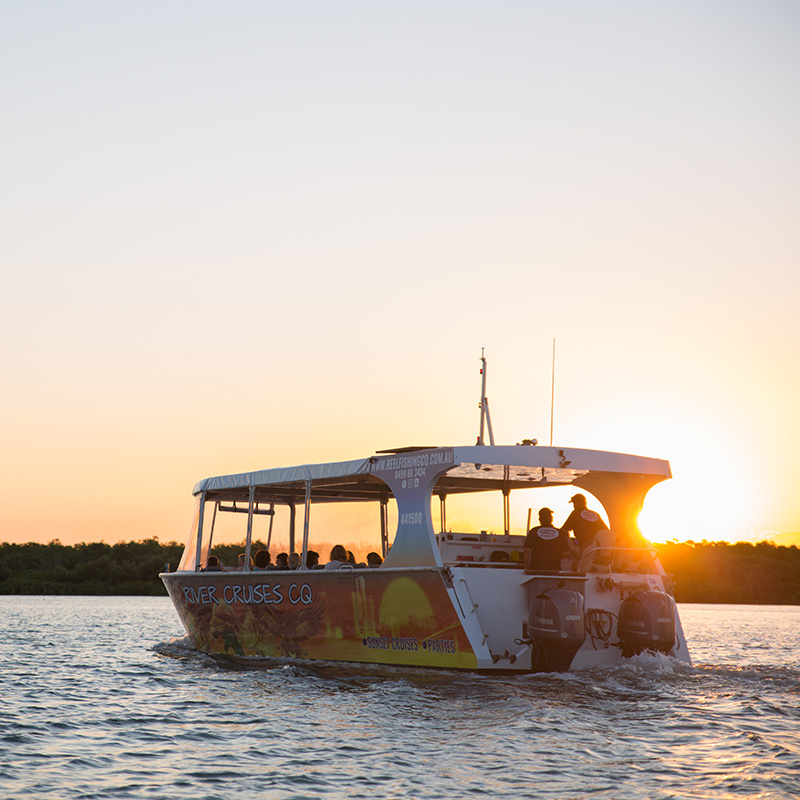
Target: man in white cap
583, 522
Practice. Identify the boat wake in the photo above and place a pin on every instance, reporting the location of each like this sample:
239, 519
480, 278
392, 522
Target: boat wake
181, 649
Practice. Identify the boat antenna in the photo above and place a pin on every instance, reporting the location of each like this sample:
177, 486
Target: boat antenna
552, 391
486, 417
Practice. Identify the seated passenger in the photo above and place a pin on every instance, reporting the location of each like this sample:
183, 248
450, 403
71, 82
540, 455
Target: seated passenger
212, 565
312, 560
282, 561
545, 545
240, 566
338, 557
262, 560
374, 560
294, 561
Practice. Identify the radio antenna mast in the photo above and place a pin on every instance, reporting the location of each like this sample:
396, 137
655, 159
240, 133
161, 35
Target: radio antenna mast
552, 392
486, 417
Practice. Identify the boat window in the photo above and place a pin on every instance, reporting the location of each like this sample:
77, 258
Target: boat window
224, 523
483, 511
190, 551
357, 526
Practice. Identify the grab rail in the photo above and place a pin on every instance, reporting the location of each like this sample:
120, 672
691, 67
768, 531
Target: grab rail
469, 595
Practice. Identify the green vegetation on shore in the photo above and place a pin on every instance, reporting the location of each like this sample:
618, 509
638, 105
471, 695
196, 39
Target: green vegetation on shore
704, 572
718, 572
127, 568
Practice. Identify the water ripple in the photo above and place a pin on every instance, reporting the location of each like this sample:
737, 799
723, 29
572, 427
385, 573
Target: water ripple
121, 706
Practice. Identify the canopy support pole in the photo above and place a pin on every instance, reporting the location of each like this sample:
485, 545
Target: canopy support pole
249, 530
292, 522
271, 520
384, 526
199, 531
506, 503
213, 523
306, 518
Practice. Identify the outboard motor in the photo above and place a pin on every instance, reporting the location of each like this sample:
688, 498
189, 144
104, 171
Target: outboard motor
556, 626
646, 622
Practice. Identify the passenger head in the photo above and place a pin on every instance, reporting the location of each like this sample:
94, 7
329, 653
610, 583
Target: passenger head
282, 560
374, 560
242, 558
294, 561
312, 558
213, 561
338, 553
351, 559
578, 501
546, 516
262, 559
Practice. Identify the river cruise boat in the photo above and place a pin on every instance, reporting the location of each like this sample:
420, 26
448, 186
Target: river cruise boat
442, 597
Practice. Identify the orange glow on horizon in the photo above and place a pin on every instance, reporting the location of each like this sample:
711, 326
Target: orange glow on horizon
310, 274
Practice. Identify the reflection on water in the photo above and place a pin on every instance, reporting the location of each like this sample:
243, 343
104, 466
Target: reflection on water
107, 698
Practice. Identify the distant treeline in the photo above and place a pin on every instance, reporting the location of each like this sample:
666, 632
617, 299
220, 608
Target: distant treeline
718, 572
704, 572
101, 569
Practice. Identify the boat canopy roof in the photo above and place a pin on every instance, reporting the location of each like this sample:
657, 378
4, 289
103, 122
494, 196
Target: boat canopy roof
476, 468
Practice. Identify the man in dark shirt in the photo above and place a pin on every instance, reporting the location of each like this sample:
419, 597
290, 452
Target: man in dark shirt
583, 522
545, 545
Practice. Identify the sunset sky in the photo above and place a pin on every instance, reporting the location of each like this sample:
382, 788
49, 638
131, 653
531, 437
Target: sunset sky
251, 234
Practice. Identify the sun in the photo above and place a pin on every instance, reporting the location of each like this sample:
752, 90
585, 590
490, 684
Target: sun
713, 491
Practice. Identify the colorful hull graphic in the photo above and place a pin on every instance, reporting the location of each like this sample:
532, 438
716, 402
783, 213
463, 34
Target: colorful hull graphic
378, 616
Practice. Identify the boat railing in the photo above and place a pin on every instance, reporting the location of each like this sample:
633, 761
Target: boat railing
617, 559
485, 564
508, 555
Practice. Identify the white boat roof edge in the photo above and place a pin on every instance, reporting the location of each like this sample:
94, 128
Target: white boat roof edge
535, 456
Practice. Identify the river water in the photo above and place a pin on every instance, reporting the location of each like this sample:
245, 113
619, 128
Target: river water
103, 697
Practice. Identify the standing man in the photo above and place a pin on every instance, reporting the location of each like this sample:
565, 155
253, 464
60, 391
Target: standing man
583, 522
545, 545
